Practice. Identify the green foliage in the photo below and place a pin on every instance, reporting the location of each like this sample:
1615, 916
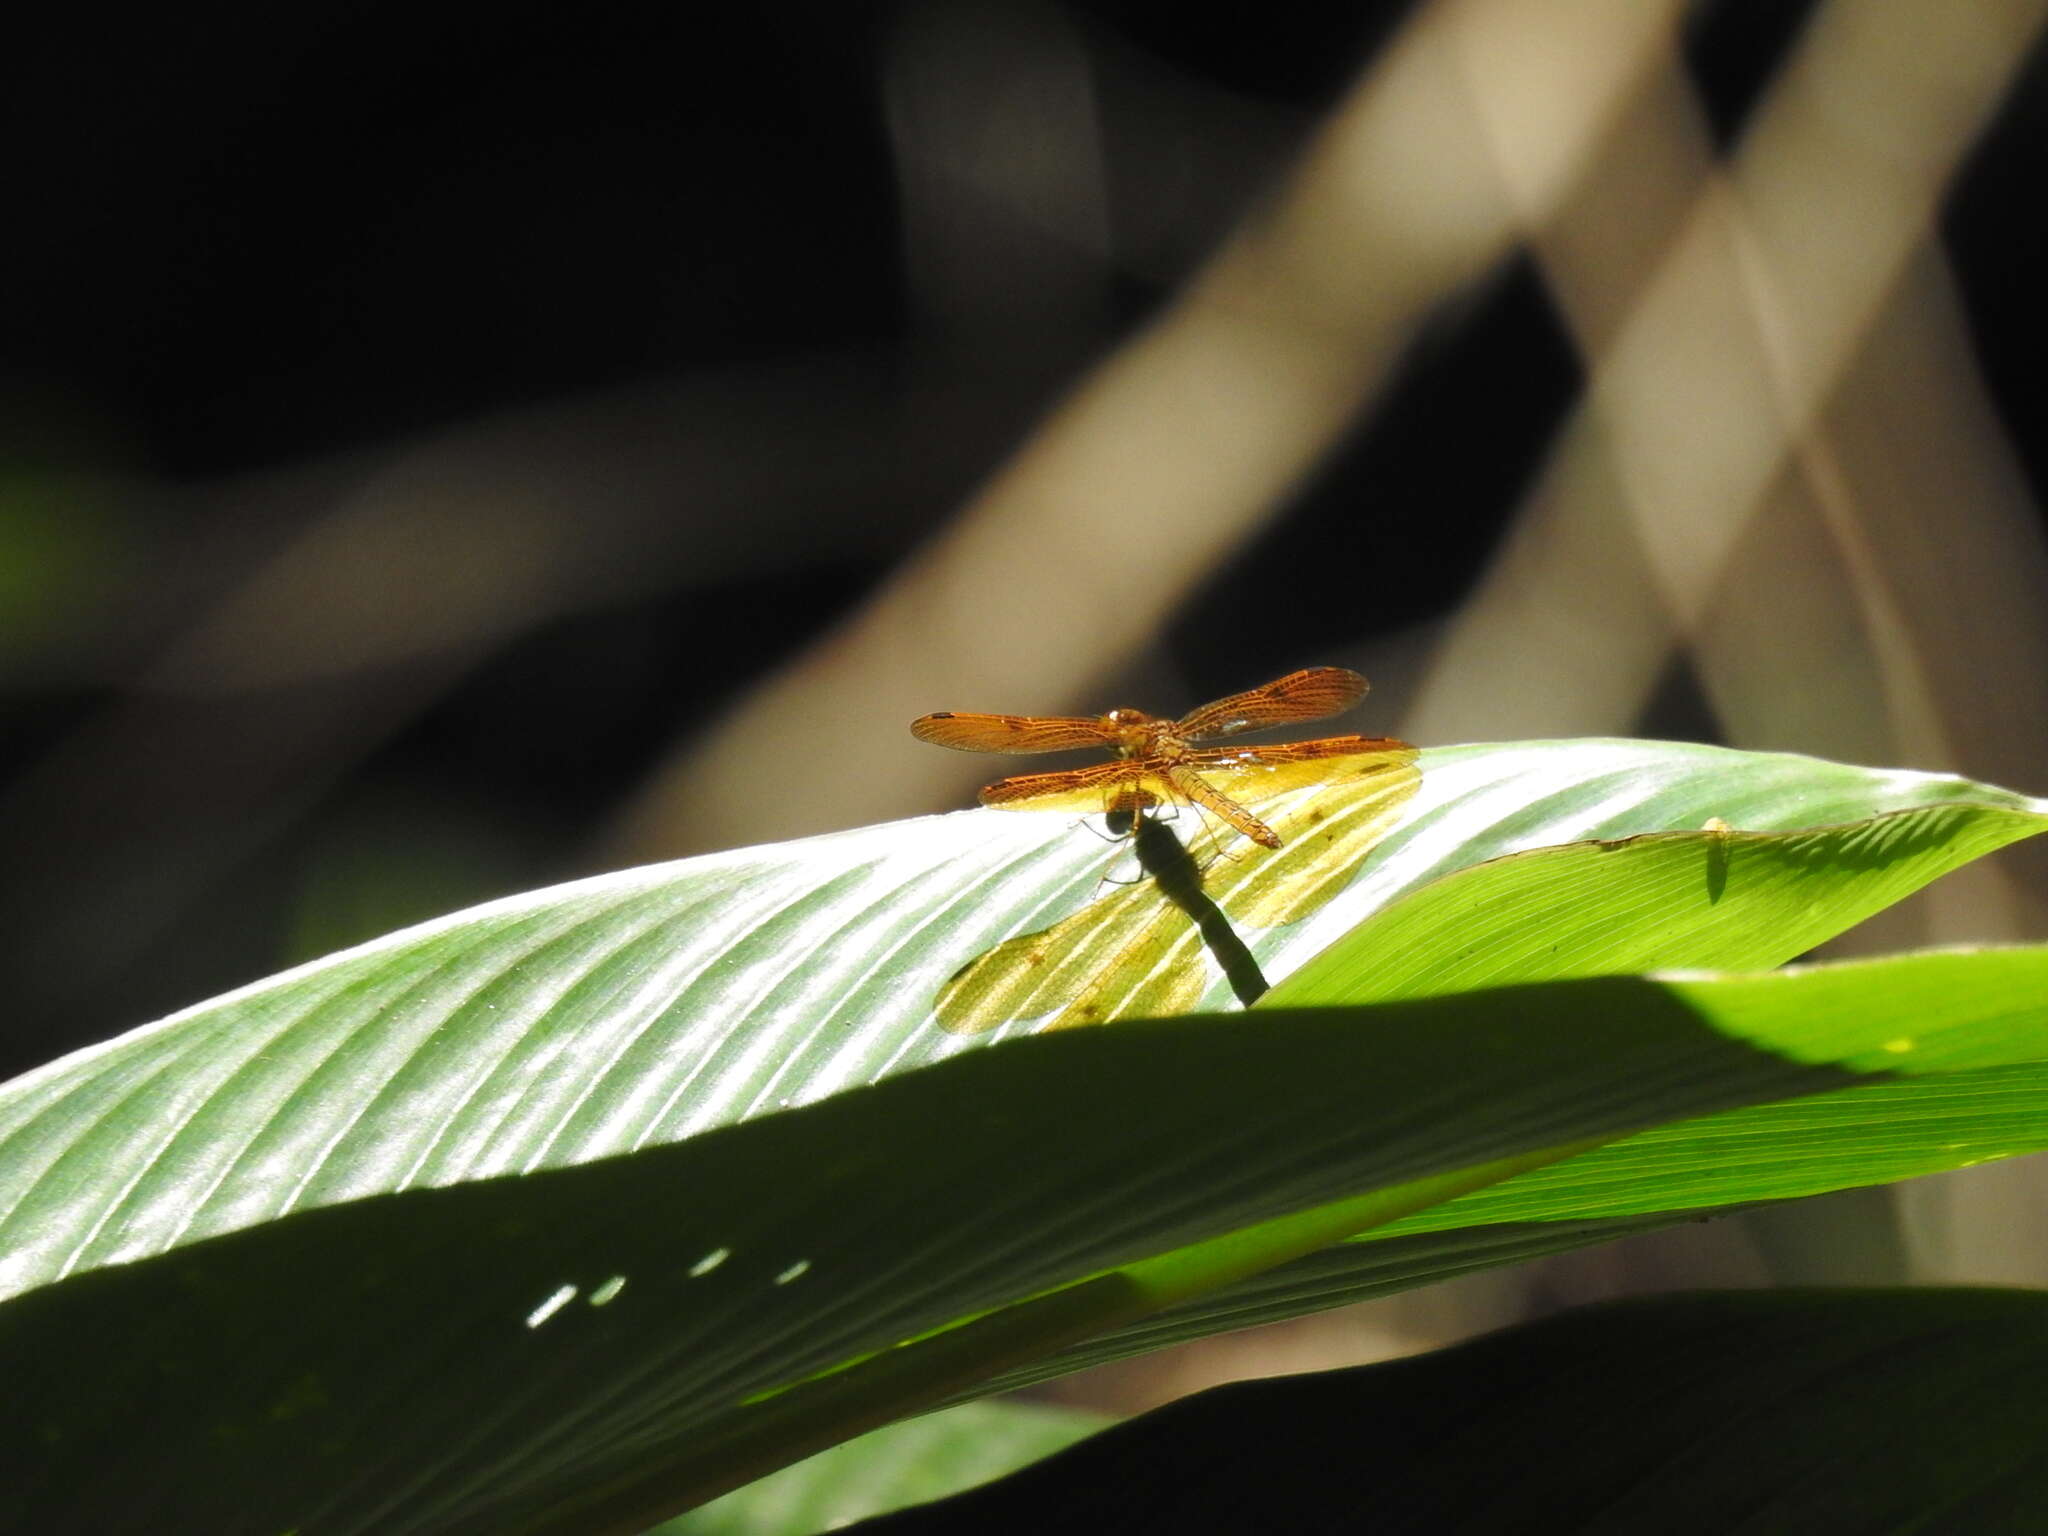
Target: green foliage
569, 1211
1688, 1415
908, 1463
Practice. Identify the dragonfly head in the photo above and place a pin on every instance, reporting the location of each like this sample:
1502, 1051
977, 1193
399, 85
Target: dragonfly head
1137, 733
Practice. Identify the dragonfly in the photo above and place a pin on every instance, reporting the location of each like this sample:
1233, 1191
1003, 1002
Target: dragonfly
1161, 762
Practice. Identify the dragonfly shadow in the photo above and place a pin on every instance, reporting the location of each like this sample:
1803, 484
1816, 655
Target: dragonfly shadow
1144, 949
1172, 868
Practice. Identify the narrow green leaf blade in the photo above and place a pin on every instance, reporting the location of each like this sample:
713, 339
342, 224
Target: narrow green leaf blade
1925, 1119
914, 1462
1725, 899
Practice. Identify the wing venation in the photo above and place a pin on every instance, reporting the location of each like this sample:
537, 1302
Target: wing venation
1010, 733
1314, 693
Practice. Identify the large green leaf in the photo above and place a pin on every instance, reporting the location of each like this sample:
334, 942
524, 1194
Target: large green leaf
641, 1008
584, 1348
563, 1109
1788, 1411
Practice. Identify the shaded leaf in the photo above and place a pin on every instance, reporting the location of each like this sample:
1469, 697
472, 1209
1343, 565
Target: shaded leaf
909, 1463
1792, 1411
587, 1348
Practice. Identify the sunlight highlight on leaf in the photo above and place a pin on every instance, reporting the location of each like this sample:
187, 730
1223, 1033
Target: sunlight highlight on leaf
1139, 951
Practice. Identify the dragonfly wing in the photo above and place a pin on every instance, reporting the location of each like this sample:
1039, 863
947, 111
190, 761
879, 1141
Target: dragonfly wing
1249, 774
1118, 786
1314, 693
1011, 733
1160, 972
1077, 966
1329, 813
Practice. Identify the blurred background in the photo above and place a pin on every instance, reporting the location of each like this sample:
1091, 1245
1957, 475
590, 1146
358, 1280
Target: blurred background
445, 451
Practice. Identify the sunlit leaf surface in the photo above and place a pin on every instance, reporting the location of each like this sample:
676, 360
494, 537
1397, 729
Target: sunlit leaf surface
1722, 898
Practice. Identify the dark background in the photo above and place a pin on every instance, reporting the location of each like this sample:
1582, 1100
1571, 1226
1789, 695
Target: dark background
245, 251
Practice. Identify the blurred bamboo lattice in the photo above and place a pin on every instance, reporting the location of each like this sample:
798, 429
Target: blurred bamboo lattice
1784, 452
1175, 450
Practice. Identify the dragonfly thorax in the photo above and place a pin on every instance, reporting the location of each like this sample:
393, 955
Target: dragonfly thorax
1138, 734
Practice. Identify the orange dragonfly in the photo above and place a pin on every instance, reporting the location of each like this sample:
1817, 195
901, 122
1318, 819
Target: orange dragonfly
1157, 762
